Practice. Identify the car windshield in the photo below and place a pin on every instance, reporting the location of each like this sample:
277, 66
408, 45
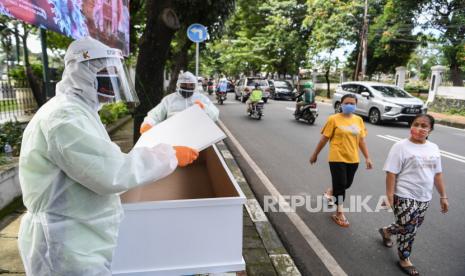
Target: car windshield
282, 84
260, 82
390, 91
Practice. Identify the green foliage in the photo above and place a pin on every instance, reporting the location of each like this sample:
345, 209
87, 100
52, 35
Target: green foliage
390, 39
455, 111
261, 36
58, 42
11, 133
112, 112
18, 73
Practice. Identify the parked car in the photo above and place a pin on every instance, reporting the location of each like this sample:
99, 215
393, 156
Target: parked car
281, 90
380, 102
247, 84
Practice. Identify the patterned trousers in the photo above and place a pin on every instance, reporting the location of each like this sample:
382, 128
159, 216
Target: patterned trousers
409, 215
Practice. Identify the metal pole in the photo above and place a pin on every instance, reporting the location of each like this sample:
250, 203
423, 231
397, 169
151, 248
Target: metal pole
43, 40
365, 40
196, 59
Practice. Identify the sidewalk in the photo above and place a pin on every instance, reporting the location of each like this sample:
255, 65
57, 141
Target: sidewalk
263, 251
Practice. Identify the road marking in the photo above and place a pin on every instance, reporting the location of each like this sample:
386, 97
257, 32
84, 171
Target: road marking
444, 153
311, 239
290, 108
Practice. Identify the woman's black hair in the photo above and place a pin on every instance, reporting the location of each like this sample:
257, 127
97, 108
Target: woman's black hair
349, 95
430, 118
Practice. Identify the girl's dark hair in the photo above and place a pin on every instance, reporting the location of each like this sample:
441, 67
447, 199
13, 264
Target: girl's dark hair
430, 118
349, 95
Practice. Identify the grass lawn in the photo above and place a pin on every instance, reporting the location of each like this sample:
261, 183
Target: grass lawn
8, 105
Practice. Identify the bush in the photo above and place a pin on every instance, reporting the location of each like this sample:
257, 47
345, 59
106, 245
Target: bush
112, 112
455, 111
18, 73
11, 133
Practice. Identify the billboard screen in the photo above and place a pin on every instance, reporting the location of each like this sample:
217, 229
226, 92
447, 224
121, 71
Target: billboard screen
104, 20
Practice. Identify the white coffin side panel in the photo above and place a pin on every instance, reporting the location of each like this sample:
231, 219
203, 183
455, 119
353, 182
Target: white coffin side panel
183, 236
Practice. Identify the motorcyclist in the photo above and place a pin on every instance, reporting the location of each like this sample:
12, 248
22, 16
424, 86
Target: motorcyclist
308, 96
222, 86
255, 96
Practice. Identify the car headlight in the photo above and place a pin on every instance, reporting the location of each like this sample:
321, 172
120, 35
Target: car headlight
388, 108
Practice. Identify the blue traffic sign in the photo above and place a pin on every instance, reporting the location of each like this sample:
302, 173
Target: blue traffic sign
197, 33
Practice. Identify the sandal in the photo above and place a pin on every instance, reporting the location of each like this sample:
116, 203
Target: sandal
329, 199
409, 270
386, 241
339, 221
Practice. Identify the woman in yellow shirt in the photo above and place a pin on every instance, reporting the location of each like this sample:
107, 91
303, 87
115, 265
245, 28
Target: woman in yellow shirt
346, 133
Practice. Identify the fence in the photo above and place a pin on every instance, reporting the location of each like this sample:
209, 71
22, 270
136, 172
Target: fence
17, 103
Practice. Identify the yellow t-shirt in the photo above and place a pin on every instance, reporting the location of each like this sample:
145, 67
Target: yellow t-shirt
344, 134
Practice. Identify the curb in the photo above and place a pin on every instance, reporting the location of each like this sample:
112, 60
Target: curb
449, 123
116, 125
280, 258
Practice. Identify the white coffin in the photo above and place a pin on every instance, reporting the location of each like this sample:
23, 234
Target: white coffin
187, 223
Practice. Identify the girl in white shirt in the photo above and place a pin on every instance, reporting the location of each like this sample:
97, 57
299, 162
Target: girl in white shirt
412, 168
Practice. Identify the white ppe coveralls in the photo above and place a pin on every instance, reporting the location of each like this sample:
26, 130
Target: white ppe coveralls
71, 173
174, 103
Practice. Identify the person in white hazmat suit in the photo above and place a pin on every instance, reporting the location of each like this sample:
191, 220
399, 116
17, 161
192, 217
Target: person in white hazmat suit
186, 95
71, 173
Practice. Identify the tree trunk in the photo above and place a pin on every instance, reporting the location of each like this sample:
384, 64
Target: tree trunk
34, 83
180, 62
328, 91
162, 23
18, 54
456, 74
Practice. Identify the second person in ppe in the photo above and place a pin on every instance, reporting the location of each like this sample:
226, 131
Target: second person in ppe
71, 173
186, 95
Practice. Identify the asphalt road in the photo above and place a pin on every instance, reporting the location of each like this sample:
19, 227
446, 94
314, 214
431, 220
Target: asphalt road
281, 147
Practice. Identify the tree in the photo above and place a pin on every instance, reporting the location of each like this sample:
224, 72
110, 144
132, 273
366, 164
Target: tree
163, 19
447, 17
390, 39
331, 23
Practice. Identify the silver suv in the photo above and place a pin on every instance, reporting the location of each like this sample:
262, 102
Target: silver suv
246, 85
380, 102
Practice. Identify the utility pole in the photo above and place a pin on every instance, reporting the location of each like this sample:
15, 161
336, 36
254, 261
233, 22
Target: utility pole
362, 53
365, 40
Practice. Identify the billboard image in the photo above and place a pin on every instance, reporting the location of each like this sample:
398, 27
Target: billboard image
104, 20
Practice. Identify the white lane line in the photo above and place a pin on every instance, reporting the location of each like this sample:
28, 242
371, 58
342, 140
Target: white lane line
290, 108
311, 239
444, 153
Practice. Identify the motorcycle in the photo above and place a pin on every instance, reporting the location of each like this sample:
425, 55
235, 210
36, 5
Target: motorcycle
221, 97
307, 113
256, 111
210, 88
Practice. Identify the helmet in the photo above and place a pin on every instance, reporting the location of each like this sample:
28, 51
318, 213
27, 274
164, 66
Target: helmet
308, 85
186, 85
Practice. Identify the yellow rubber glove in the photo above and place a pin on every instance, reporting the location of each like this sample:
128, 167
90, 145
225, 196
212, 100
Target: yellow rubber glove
185, 155
199, 103
144, 127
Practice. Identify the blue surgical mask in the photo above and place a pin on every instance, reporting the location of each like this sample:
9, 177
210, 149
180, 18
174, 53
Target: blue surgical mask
348, 108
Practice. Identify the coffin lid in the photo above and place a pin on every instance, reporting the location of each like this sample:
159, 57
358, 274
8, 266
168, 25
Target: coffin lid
191, 127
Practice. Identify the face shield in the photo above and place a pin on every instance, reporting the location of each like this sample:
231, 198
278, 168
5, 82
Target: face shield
112, 81
187, 84
186, 90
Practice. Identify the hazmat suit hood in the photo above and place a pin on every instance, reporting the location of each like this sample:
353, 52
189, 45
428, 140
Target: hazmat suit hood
78, 78
186, 78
